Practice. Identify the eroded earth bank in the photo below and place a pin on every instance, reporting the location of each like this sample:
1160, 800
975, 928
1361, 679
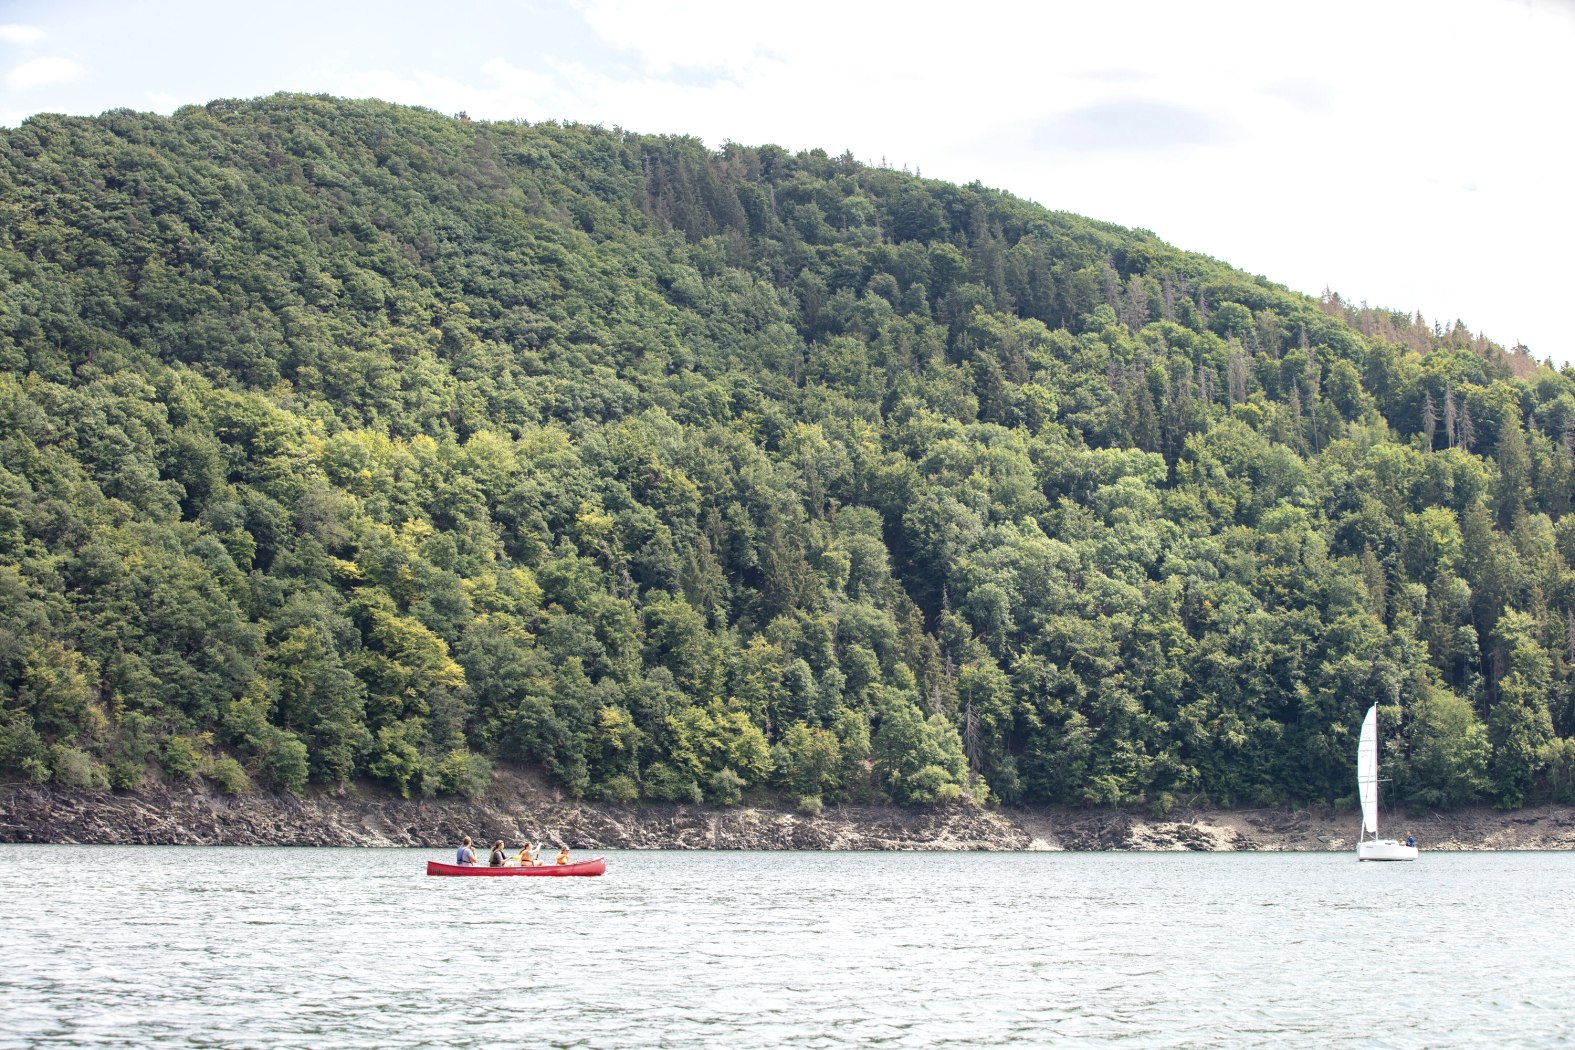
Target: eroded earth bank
516, 810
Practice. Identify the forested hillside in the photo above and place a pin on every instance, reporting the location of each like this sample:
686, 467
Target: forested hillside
347, 441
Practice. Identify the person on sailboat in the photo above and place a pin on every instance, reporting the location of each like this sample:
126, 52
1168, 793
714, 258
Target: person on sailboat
1410, 840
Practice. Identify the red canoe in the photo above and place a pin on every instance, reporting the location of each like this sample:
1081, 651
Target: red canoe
594, 866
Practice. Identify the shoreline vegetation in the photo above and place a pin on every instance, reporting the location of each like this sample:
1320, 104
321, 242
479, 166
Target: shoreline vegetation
353, 447
194, 815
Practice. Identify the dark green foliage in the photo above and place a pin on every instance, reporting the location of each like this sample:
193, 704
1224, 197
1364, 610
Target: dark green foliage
339, 440
463, 773
22, 750
918, 759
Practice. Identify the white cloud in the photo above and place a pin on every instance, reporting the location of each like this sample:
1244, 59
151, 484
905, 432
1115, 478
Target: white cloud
705, 34
44, 72
24, 35
507, 93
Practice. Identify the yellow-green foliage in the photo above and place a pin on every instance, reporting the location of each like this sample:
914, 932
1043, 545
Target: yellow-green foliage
342, 440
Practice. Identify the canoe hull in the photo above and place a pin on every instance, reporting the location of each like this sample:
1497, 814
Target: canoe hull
594, 866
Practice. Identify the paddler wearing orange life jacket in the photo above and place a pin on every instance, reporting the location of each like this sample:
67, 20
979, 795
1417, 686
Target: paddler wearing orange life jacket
563, 855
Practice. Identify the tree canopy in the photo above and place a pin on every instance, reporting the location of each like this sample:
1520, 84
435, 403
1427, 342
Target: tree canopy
344, 440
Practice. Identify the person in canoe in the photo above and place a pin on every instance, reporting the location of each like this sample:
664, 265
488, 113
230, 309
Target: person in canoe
464, 855
526, 857
498, 856
563, 856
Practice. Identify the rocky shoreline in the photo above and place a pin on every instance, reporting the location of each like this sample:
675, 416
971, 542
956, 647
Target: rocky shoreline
518, 811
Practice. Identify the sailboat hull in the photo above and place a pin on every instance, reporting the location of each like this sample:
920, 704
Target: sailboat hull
1384, 849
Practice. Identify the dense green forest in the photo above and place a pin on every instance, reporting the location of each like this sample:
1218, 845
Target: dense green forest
344, 441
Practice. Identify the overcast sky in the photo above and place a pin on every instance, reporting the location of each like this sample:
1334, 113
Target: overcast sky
1415, 155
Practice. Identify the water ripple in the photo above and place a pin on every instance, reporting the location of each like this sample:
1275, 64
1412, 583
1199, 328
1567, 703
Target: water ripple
265, 948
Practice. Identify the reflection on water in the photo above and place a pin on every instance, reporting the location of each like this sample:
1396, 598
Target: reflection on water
255, 947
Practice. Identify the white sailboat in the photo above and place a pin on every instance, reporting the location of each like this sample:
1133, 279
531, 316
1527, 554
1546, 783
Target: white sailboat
1373, 848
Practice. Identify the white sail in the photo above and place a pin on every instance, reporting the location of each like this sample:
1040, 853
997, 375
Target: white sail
1367, 771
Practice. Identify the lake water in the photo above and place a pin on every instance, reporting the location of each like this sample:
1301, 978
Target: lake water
342, 948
